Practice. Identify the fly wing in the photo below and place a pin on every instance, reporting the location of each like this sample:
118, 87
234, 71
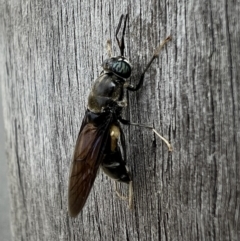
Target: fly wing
88, 155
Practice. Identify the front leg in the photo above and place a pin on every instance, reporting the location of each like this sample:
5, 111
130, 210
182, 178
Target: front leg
109, 48
155, 55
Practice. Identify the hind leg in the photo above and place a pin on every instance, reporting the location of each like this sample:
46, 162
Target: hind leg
130, 194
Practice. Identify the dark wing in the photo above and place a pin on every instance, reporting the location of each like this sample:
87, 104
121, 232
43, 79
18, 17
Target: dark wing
88, 155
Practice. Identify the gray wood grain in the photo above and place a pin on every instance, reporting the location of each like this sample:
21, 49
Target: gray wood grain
51, 56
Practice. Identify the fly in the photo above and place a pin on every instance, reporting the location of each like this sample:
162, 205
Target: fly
100, 133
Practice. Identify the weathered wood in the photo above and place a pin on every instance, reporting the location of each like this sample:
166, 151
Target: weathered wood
51, 56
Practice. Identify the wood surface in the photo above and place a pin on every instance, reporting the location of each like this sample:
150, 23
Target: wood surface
51, 52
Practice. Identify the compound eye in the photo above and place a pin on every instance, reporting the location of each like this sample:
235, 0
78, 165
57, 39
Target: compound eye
118, 66
122, 69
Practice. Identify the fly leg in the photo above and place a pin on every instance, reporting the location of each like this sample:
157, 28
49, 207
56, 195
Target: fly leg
130, 194
109, 48
127, 122
118, 192
155, 55
154, 130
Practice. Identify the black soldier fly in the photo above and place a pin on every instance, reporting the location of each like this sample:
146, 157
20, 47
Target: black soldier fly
97, 142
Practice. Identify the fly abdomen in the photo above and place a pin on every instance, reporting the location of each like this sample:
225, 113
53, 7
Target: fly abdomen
115, 167
113, 164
